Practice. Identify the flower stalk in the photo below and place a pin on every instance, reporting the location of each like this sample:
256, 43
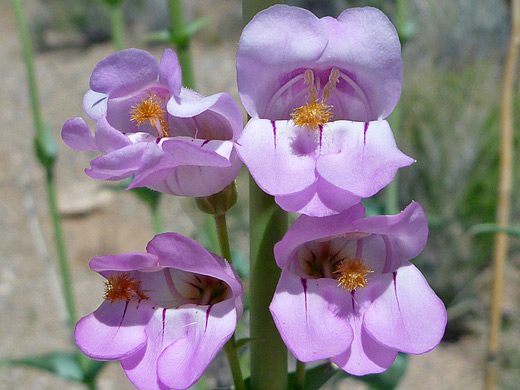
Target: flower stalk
300, 375
504, 196
230, 348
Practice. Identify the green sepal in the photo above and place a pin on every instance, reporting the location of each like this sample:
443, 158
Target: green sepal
219, 203
62, 364
46, 148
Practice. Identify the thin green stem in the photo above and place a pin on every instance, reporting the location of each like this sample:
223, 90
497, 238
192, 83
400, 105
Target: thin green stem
181, 42
29, 65
230, 348
268, 224
60, 249
117, 26
300, 375
223, 238
234, 364
42, 135
63, 265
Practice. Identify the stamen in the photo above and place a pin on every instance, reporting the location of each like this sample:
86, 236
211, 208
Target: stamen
352, 274
315, 113
123, 287
150, 110
312, 90
331, 84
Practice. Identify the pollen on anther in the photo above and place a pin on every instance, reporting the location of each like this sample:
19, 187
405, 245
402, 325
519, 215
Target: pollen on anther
150, 110
123, 287
352, 274
312, 115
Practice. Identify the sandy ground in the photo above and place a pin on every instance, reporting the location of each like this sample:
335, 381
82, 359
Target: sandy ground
97, 221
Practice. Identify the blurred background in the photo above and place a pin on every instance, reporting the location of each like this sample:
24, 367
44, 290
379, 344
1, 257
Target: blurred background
453, 57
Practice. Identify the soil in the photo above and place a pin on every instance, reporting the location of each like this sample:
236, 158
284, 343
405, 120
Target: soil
99, 221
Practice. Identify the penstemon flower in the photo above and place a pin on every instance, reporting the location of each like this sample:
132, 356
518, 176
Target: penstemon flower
170, 138
166, 312
317, 90
349, 293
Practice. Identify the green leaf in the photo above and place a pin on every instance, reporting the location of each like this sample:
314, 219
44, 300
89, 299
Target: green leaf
494, 228
182, 38
148, 196
162, 36
145, 195
315, 377
243, 342
63, 364
46, 148
194, 26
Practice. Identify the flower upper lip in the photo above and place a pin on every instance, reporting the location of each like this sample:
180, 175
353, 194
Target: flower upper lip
280, 43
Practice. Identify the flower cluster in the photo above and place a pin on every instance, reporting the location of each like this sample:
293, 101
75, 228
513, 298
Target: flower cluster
318, 92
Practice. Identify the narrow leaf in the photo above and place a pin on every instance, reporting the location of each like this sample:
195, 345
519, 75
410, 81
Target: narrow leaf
494, 228
62, 364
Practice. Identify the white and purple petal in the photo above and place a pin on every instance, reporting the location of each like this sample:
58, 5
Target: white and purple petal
183, 362
407, 316
114, 331
124, 72
310, 317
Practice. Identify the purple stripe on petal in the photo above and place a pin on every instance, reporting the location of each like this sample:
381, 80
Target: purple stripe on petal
207, 318
273, 123
304, 284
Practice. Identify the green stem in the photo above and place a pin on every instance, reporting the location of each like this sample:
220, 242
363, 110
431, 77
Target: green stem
234, 364
223, 238
60, 249
300, 375
268, 224
117, 26
42, 135
230, 348
181, 42
29, 65
63, 264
